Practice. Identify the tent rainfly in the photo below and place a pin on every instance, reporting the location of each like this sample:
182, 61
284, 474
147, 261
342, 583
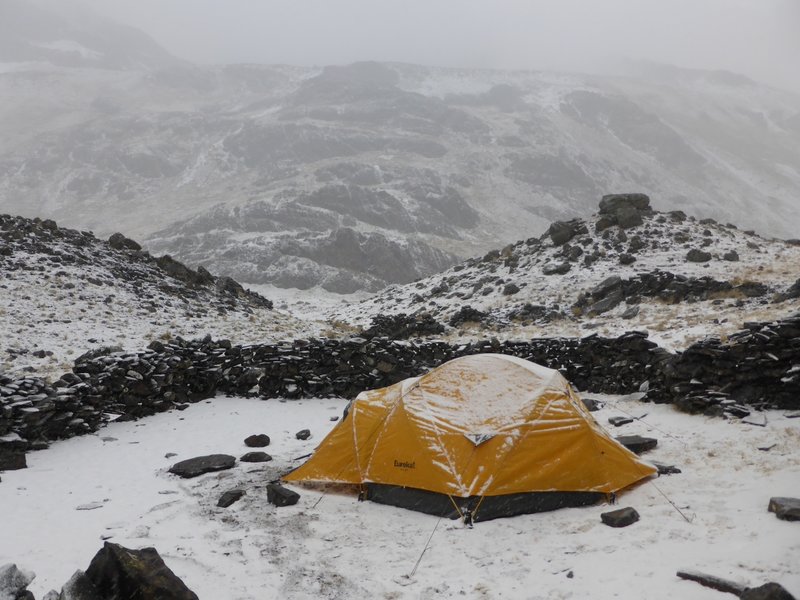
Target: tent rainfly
486, 436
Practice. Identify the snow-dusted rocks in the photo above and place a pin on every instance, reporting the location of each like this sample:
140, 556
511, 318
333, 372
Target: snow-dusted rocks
13, 582
563, 275
118, 572
194, 467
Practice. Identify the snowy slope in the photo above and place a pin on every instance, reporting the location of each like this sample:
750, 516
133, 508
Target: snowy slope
520, 300
331, 546
65, 292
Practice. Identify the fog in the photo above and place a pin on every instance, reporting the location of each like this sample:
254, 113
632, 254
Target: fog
758, 38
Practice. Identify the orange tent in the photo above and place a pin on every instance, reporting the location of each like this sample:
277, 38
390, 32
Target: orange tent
489, 433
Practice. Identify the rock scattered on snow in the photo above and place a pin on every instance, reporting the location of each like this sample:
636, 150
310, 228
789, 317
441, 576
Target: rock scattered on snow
620, 518
664, 469
193, 467
637, 443
303, 434
281, 496
620, 421
260, 440
229, 497
787, 509
255, 457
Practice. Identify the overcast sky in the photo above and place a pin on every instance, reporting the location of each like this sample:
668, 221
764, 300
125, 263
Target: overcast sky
759, 38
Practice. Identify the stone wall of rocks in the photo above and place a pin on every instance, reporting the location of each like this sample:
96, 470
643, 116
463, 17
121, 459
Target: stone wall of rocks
102, 386
760, 366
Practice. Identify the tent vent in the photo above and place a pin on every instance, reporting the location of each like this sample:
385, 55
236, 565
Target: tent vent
479, 438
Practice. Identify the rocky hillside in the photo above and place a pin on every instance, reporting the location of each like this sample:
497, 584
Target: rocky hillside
356, 176
628, 267
65, 292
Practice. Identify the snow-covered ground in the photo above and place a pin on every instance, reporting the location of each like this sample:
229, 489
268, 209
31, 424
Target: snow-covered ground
331, 546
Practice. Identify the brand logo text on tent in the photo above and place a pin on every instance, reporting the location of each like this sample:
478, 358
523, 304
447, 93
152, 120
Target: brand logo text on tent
401, 464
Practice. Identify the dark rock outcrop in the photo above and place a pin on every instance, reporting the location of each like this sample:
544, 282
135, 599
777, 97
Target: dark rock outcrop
121, 573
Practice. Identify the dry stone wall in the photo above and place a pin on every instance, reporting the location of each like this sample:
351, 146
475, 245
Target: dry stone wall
758, 366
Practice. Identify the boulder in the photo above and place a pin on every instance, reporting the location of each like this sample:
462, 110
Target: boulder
768, 591
561, 232
260, 440
281, 496
193, 467
786, 509
556, 268
731, 256
121, 573
229, 497
628, 216
698, 256
611, 301
13, 581
255, 457
120, 242
611, 203
620, 518
607, 285
510, 289
303, 434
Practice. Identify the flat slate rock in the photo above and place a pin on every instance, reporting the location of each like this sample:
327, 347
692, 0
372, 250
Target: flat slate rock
257, 441
786, 509
229, 497
619, 421
281, 496
713, 582
255, 457
637, 443
621, 517
193, 467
